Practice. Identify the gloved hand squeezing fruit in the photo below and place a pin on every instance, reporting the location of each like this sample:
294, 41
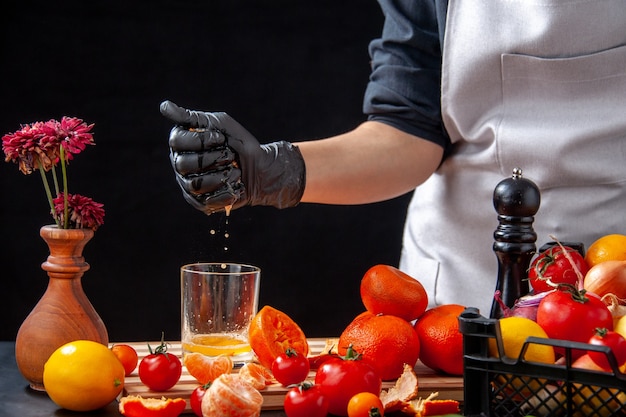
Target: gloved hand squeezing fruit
219, 164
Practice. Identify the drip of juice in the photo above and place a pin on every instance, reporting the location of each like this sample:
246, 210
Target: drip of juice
217, 344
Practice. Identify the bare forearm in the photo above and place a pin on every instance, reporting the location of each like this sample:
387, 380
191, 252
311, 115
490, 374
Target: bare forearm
373, 162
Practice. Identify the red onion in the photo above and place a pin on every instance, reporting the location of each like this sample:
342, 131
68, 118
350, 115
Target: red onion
525, 306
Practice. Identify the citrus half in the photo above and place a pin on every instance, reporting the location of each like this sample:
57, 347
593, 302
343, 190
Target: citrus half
272, 332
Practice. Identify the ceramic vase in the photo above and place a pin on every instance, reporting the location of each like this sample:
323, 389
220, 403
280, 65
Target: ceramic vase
64, 313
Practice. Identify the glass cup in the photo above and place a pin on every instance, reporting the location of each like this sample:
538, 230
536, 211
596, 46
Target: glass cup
218, 302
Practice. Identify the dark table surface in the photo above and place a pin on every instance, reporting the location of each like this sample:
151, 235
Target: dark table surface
18, 400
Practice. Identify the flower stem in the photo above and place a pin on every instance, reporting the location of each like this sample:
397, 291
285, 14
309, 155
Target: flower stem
55, 181
48, 194
64, 173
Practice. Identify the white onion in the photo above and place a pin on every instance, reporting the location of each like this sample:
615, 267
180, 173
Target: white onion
608, 277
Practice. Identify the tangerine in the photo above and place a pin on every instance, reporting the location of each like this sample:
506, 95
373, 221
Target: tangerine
127, 355
231, 395
272, 332
389, 291
386, 342
607, 248
206, 368
441, 342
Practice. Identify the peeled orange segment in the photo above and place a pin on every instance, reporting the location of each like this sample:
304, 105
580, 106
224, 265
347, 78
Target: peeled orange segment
272, 332
230, 395
207, 368
137, 406
256, 374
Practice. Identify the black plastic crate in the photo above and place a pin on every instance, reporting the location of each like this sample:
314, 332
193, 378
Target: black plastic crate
516, 387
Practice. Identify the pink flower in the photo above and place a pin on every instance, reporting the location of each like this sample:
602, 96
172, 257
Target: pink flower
76, 135
82, 211
38, 144
41, 146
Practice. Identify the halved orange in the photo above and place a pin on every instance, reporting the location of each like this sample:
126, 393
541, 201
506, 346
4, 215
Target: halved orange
272, 332
207, 368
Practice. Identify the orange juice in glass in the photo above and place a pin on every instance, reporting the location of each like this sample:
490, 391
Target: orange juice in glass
218, 301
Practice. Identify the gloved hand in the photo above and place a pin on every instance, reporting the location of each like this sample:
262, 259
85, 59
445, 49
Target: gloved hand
218, 163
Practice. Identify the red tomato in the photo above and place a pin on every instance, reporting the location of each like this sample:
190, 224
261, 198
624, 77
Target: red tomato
553, 264
342, 378
573, 315
160, 370
290, 367
127, 355
195, 400
365, 404
615, 341
306, 400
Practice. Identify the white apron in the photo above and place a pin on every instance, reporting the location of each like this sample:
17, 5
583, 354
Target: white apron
535, 84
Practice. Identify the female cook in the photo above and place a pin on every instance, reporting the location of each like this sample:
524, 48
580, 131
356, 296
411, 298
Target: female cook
460, 93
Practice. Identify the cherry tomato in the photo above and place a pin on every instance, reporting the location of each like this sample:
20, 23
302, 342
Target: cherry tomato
195, 400
306, 400
553, 264
572, 315
365, 404
127, 355
160, 370
614, 340
290, 367
342, 378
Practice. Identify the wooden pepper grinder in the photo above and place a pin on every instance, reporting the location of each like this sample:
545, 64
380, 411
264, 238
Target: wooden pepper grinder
516, 200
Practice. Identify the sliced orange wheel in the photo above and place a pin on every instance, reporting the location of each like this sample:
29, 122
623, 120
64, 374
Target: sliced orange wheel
272, 332
207, 368
137, 406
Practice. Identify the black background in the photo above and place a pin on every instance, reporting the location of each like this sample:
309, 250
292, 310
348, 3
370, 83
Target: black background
285, 69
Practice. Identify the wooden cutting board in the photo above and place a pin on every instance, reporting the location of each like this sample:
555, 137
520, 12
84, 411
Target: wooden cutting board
448, 387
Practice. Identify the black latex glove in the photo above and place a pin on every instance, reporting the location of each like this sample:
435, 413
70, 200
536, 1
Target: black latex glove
218, 163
